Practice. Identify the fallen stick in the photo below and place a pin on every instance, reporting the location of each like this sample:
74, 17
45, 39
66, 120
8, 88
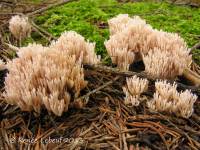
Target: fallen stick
12, 47
116, 71
43, 31
42, 34
83, 100
49, 7
196, 46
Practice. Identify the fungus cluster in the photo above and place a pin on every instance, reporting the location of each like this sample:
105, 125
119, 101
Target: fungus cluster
49, 76
19, 27
133, 89
168, 99
53, 76
165, 55
43, 76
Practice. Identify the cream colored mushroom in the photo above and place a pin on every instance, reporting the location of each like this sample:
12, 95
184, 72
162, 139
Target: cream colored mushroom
43, 77
19, 26
168, 99
133, 89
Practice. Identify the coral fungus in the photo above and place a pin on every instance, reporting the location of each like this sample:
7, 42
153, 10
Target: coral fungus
19, 26
135, 87
43, 76
168, 99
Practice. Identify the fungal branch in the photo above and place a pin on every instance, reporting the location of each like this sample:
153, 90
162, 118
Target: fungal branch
73, 43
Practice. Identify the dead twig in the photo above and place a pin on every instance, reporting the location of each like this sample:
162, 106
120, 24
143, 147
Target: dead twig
116, 71
196, 46
49, 7
83, 100
44, 33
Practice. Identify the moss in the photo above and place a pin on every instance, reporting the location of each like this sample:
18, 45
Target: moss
89, 18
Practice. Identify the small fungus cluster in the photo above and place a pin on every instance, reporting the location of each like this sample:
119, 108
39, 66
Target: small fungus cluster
168, 99
19, 26
135, 87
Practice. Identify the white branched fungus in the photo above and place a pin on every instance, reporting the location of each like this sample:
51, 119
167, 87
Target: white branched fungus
165, 55
19, 26
137, 33
160, 104
185, 103
117, 49
73, 43
131, 100
164, 41
118, 23
2, 65
134, 88
168, 99
165, 89
44, 77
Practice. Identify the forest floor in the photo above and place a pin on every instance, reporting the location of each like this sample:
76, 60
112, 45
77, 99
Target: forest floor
105, 122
